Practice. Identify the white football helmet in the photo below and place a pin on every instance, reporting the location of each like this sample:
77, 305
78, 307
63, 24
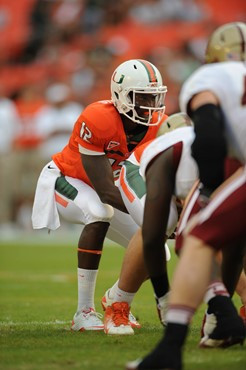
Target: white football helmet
173, 122
227, 42
138, 92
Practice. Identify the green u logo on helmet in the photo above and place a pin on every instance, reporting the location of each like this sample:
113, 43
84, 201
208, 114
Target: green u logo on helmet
120, 79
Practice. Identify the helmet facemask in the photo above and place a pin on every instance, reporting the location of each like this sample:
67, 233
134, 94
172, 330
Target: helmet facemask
145, 107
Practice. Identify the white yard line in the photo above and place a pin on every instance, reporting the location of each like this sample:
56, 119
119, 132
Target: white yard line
33, 323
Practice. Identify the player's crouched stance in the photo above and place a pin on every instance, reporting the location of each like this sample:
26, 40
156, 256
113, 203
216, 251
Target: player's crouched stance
214, 94
133, 190
216, 291
78, 185
223, 327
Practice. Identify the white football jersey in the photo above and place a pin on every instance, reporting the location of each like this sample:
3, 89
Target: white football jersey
187, 171
227, 81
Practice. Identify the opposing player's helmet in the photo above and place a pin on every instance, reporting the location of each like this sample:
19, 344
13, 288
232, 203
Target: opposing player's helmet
228, 42
138, 92
173, 122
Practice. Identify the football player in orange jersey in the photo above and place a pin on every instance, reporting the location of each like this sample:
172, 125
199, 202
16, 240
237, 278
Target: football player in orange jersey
79, 183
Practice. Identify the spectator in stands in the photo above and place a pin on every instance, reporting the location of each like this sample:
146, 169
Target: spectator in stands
55, 120
152, 12
28, 163
9, 127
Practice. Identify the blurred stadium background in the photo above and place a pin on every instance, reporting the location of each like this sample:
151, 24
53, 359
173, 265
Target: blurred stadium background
57, 56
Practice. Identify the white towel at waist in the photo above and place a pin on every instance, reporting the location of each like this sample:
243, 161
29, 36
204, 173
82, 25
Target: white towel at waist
44, 212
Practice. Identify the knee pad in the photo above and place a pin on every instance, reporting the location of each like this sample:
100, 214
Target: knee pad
98, 211
91, 212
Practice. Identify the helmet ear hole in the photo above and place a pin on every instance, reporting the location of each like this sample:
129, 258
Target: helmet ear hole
116, 95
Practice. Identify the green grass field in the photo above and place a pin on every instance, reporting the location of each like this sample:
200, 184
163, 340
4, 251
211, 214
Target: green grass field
38, 297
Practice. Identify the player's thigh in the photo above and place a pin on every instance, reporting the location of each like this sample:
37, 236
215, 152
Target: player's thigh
78, 203
135, 208
222, 222
190, 208
122, 228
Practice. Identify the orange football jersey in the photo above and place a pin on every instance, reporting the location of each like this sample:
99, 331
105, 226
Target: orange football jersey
99, 129
139, 150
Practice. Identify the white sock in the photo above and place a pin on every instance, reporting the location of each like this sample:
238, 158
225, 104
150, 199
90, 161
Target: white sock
119, 295
179, 314
214, 289
86, 288
113, 289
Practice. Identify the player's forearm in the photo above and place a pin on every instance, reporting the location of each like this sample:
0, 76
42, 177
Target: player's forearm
154, 230
154, 257
100, 173
112, 197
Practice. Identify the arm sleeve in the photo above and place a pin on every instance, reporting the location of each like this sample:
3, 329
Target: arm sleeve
209, 146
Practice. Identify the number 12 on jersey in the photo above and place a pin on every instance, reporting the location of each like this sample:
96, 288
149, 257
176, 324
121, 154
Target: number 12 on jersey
85, 133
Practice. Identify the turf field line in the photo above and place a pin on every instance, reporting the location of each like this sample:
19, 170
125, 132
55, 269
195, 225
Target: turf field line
58, 278
31, 323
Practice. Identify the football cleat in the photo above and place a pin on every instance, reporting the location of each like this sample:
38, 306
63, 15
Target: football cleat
133, 321
87, 319
208, 324
116, 319
222, 331
242, 313
106, 301
162, 306
133, 365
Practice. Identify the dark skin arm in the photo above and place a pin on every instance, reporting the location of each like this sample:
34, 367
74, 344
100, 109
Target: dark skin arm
160, 183
99, 171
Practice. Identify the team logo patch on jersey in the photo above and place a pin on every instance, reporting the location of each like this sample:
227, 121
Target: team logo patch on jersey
112, 144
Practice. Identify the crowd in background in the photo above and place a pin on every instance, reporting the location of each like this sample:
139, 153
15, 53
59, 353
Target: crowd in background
57, 56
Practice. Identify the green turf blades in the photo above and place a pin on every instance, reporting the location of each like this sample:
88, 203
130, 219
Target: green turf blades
38, 290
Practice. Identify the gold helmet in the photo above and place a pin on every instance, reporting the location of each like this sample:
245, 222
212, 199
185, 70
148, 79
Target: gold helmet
227, 42
173, 122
